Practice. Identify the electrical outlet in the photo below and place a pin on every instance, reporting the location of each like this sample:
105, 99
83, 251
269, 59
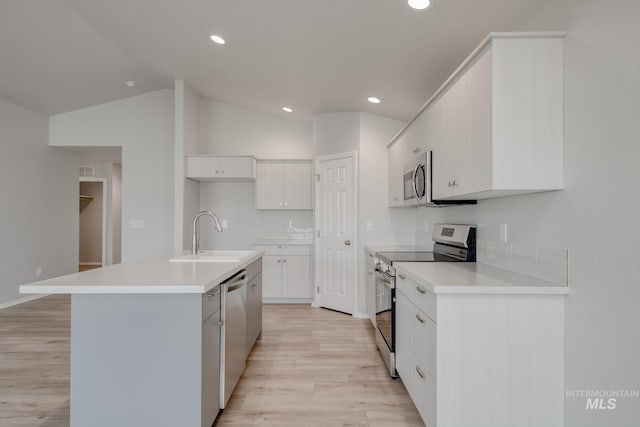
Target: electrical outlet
225, 223
38, 271
503, 232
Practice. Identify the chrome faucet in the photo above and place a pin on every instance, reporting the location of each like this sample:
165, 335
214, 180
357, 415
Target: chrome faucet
194, 240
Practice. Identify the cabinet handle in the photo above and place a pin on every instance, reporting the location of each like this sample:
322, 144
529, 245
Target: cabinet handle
286, 204
419, 371
420, 319
213, 292
280, 203
421, 290
282, 247
278, 261
217, 171
402, 276
284, 260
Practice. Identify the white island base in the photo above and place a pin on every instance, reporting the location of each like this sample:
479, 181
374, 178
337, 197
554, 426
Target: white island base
139, 359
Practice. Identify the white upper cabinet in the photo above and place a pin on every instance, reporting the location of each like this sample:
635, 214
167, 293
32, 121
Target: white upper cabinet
221, 168
412, 142
497, 125
283, 184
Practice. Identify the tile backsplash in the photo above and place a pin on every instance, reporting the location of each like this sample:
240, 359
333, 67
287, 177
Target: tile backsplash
550, 264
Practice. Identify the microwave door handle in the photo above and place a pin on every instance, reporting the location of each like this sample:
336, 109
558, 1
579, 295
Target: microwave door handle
415, 182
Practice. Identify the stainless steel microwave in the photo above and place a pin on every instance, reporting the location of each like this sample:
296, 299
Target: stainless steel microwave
417, 180
418, 183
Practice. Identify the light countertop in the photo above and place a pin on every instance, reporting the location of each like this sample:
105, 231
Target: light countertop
474, 278
154, 275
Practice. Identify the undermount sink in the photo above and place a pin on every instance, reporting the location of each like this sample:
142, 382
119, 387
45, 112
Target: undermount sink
213, 256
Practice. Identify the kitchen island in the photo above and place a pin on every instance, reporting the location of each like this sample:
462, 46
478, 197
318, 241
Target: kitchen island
145, 341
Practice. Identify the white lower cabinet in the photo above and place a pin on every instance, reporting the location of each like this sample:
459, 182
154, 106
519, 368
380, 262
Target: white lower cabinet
286, 273
482, 360
404, 310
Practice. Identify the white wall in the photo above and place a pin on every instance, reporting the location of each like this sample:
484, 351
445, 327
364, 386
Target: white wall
90, 243
335, 133
228, 130
143, 127
235, 202
390, 226
596, 216
38, 202
187, 140
368, 135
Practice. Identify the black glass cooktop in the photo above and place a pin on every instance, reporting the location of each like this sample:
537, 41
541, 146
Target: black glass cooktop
391, 257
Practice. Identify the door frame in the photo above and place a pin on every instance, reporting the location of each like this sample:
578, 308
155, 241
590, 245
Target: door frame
353, 155
104, 215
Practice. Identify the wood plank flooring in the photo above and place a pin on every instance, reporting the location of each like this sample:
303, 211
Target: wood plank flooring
316, 367
313, 367
34, 363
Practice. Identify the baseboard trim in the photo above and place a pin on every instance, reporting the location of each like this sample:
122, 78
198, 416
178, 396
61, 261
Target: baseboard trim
20, 301
360, 315
286, 300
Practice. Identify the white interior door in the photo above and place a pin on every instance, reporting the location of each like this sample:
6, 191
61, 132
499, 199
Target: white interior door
336, 246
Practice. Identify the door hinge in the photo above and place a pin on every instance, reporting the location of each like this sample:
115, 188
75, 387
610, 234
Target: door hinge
318, 177
318, 233
318, 289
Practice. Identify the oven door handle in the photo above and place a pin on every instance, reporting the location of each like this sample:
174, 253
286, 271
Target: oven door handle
383, 278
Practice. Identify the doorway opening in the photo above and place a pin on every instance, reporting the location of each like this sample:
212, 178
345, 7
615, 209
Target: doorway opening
92, 223
100, 206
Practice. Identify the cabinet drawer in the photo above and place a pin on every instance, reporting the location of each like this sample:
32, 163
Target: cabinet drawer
210, 302
424, 300
423, 392
254, 269
405, 285
424, 341
284, 249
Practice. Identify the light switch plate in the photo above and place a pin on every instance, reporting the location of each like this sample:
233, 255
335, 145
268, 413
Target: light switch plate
136, 223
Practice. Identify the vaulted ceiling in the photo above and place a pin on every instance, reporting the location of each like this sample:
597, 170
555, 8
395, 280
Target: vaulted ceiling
313, 55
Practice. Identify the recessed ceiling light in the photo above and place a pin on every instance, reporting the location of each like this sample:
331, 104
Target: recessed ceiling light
419, 4
374, 100
130, 83
287, 109
217, 39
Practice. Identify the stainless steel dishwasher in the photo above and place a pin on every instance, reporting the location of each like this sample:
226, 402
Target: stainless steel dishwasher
233, 339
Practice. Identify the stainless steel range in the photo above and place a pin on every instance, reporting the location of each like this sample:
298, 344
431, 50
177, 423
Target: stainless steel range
452, 243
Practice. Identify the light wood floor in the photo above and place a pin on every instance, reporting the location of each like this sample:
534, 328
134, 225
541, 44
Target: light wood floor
313, 367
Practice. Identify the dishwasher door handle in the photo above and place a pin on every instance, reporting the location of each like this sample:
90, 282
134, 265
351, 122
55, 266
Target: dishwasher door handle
235, 286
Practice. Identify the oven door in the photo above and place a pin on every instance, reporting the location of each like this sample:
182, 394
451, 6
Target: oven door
385, 308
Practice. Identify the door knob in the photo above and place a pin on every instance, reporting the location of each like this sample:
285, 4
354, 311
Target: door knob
347, 242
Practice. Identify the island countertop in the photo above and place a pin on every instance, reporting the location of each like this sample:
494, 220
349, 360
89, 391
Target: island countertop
474, 278
153, 275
